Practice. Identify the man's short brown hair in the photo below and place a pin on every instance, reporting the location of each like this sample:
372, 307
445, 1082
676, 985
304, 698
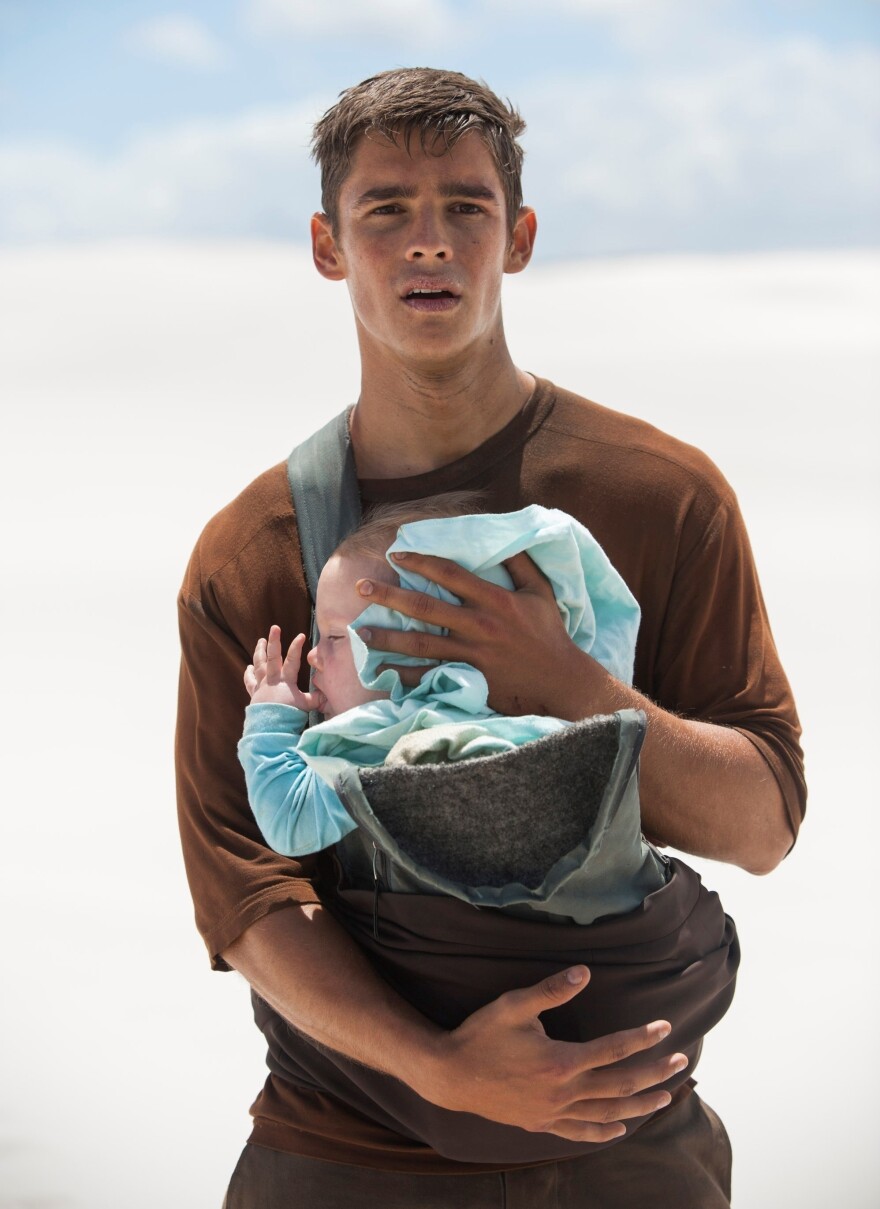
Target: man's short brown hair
426, 102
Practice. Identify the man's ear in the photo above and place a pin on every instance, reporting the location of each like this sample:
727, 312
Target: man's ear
522, 242
325, 250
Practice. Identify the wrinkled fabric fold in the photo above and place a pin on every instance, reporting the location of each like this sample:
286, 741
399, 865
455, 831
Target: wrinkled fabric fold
675, 958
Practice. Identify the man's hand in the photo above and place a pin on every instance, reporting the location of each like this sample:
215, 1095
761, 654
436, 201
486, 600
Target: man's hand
270, 679
517, 638
500, 1064
705, 788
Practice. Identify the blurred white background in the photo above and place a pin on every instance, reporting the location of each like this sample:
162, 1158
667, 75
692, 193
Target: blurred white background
707, 179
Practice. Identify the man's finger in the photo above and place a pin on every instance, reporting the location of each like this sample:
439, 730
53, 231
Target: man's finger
606, 1112
439, 648
526, 1003
614, 1083
526, 574
418, 605
584, 1131
602, 1120
448, 574
617, 1046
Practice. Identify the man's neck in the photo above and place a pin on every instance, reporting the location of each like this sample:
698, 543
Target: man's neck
411, 421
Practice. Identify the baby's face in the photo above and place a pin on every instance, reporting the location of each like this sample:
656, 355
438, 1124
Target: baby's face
338, 604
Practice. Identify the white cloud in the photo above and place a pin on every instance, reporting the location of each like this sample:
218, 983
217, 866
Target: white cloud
424, 25
176, 39
774, 147
645, 28
250, 176
611, 10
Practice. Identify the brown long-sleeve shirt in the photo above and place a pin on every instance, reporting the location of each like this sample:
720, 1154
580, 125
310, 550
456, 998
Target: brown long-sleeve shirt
670, 524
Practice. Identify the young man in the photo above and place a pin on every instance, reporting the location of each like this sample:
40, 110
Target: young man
422, 218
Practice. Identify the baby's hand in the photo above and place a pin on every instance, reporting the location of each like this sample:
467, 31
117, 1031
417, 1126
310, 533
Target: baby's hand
268, 679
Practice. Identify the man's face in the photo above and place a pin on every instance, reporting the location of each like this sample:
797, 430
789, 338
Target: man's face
422, 242
338, 604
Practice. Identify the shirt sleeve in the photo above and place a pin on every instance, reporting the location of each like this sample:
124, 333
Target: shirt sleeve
717, 660
234, 877
296, 810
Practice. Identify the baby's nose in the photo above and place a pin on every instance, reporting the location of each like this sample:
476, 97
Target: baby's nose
312, 657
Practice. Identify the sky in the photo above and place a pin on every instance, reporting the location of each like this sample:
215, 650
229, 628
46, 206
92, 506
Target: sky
653, 125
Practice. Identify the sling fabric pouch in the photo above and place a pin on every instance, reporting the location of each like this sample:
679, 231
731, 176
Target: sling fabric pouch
468, 879
674, 957
550, 829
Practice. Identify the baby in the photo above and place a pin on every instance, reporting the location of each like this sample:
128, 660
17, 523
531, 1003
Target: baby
369, 717
297, 810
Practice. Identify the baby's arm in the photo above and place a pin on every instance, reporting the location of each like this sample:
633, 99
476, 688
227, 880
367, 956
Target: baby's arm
296, 810
268, 679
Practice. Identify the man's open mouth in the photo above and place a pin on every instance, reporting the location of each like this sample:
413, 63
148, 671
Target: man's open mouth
430, 294
431, 298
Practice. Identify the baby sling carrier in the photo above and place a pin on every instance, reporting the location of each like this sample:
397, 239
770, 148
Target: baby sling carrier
439, 847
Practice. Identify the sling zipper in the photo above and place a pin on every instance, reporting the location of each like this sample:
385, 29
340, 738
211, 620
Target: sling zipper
376, 855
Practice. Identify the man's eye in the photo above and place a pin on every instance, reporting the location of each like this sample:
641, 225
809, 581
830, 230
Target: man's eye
467, 208
390, 208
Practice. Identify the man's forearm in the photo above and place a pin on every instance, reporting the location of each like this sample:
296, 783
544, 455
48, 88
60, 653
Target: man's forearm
310, 971
705, 789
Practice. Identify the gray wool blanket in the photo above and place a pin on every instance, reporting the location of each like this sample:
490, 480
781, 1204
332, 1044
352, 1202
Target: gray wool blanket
552, 827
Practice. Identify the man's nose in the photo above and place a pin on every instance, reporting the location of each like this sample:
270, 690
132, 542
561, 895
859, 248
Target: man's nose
429, 241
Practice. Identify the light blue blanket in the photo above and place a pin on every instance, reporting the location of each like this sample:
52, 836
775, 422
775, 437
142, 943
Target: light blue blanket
599, 612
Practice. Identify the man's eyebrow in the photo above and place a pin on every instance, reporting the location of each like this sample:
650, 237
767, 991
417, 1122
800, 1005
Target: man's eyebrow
384, 193
474, 190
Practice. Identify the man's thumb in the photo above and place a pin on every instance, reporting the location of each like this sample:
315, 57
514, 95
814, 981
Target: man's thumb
549, 992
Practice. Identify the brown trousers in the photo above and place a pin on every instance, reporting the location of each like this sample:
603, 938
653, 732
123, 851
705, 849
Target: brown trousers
681, 1158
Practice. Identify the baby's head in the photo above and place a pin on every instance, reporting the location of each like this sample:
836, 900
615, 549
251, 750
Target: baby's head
362, 556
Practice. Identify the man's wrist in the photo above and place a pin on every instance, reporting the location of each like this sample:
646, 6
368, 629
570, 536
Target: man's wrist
590, 689
428, 1068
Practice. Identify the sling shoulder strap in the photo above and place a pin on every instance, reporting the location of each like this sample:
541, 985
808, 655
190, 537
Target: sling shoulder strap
324, 487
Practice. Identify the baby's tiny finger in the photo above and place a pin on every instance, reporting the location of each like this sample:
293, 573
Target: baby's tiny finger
294, 652
250, 679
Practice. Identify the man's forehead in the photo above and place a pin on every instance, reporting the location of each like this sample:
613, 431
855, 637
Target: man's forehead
377, 156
